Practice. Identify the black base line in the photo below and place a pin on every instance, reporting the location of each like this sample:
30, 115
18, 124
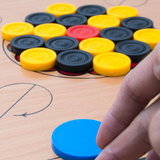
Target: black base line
108, 3
124, 1
41, 72
7, 54
121, 2
0, 19
53, 158
141, 4
58, 158
73, 77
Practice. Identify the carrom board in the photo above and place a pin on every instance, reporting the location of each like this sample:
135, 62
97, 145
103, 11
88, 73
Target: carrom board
33, 104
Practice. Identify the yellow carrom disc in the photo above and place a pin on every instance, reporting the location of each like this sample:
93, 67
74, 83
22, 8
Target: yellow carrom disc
96, 45
122, 12
38, 59
14, 29
59, 9
150, 36
49, 30
103, 21
111, 64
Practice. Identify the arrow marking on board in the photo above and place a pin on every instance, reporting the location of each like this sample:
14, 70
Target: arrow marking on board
27, 114
17, 101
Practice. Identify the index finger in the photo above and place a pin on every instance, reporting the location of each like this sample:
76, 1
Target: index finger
137, 89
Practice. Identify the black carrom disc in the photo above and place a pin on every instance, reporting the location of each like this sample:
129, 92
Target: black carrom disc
62, 43
69, 20
74, 61
21, 43
136, 50
40, 18
136, 23
91, 10
117, 34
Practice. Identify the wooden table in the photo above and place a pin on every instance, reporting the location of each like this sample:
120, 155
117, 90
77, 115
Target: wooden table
33, 104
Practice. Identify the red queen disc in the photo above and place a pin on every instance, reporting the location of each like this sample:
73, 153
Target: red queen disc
81, 32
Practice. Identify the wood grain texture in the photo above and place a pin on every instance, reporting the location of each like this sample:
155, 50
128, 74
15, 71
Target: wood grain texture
33, 104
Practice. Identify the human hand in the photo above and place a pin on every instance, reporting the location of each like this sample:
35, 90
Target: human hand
128, 130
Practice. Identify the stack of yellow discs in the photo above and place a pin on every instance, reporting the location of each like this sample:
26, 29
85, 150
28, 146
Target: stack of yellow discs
96, 45
122, 12
103, 21
49, 30
12, 30
150, 36
60, 9
38, 59
111, 64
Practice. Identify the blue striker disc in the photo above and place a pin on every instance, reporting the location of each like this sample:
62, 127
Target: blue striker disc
76, 140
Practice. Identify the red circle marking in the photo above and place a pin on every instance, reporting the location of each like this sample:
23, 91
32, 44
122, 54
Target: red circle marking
17, 57
9, 47
52, 69
93, 72
71, 74
81, 32
133, 65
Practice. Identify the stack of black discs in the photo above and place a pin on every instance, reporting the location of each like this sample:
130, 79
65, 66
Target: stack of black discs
136, 23
62, 43
91, 10
74, 61
21, 43
117, 34
69, 20
136, 50
40, 18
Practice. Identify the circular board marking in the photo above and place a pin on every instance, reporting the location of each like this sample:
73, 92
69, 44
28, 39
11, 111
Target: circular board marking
15, 101
124, 2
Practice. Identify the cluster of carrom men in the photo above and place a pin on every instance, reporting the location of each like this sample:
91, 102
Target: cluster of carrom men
75, 40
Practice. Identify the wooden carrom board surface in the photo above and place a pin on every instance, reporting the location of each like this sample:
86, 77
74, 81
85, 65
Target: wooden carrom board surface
33, 104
